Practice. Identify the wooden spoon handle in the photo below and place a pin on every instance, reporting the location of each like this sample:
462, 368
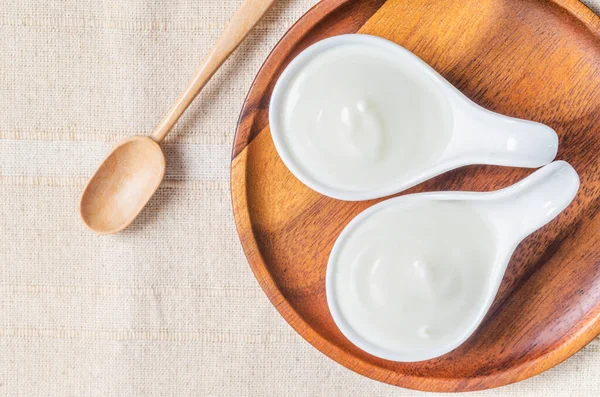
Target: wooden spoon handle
244, 20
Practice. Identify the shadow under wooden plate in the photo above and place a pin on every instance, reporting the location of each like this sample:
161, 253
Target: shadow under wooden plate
534, 59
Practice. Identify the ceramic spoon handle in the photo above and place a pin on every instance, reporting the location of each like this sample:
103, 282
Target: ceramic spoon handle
244, 20
484, 137
528, 205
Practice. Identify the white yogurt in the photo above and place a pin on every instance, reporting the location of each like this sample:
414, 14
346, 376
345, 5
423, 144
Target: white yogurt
414, 277
355, 118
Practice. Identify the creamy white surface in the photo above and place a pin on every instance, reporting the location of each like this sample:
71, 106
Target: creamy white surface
356, 118
415, 276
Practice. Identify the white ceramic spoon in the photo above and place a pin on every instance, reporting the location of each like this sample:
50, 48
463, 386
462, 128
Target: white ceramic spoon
509, 214
477, 136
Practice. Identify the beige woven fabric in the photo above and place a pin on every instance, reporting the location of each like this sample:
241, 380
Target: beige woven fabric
170, 306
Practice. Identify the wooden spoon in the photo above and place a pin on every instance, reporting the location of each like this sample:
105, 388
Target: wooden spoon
132, 172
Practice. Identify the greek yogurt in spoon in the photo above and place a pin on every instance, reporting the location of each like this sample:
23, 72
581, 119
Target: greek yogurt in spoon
410, 275
357, 117
411, 278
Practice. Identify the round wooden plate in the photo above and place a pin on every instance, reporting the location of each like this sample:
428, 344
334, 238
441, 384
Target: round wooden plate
533, 59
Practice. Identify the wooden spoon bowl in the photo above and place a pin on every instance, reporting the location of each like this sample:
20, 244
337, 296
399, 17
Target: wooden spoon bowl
122, 185
532, 59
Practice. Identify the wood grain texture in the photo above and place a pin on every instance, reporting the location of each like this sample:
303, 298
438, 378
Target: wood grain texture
534, 59
122, 185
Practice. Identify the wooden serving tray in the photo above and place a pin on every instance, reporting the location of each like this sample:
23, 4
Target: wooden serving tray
533, 59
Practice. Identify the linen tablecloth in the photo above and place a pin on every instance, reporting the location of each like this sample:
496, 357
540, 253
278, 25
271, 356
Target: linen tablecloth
169, 306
